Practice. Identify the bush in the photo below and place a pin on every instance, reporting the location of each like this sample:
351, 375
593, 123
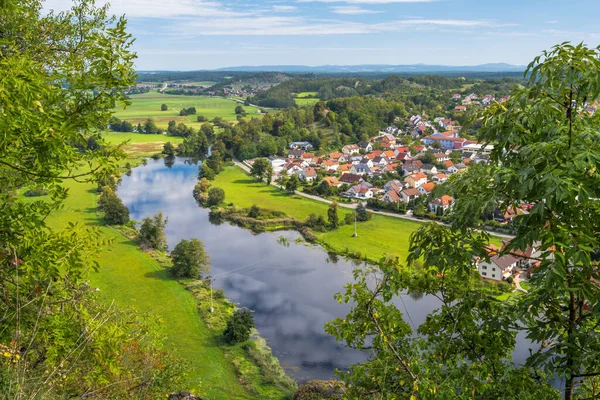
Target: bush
216, 196
189, 259
115, 212
239, 326
36, 192
152, 235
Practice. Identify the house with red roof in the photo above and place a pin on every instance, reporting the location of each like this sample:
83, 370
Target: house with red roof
443, 203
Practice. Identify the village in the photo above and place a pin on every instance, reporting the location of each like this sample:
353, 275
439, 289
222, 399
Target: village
400, 168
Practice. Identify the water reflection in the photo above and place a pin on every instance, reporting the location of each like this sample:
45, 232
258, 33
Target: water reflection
290, 288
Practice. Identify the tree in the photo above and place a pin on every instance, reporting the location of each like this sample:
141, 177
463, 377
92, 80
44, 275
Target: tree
208, 131
62, 74
216, 196
239, 326
206, 172
269, 174
282, 179
115, 212
152, 233
190, 260
260, 167
164, 107
361, 213
168, 149
332, 214
545, 154
150, 126
240, 110
292, 184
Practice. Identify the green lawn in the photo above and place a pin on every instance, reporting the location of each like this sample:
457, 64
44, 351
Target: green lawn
306, 94
381, 235
303, 99
147, 105
140, 143
377, 237
244, 191
133, 278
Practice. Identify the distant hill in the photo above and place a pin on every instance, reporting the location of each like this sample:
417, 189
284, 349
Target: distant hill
413, 69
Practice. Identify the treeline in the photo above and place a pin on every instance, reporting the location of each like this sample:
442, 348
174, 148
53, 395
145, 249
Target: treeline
198, 76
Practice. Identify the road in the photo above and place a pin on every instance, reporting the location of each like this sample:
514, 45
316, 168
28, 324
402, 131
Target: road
353, 206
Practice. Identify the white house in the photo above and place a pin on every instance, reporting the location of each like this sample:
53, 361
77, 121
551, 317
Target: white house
391, 196
360, 191
350, 149
360, 169
443, 203
498, 268
409, 194
426, 188
308, 174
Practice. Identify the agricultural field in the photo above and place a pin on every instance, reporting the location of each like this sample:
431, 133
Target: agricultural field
140, 143
147, 105
306, 98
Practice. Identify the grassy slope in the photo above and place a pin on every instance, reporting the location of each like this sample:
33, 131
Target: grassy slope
302, 98
147, 105
133, 278
141, 144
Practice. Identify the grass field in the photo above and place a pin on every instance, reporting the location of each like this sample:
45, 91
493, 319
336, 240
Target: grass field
302, 98
140, 143
134, 279
381, 235
245, 191
147, 105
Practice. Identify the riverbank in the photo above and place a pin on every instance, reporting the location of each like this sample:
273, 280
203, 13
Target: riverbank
133, 278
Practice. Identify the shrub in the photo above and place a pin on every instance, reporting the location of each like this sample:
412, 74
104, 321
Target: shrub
36, 192
152, 235
216, 196
239, 326
115, 212
189, 259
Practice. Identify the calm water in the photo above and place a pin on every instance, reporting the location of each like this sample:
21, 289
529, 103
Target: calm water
290, 289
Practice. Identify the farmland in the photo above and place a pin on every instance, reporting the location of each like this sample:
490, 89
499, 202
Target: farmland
148, 105
306, 98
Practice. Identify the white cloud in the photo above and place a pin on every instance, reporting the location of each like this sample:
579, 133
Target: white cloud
155, 8
284, 8
352, 10
578, 36
367, 1
290, 26
552, 22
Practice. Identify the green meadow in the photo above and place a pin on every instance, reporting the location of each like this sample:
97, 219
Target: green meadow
133, 278
148, 105
378, 237
303, 99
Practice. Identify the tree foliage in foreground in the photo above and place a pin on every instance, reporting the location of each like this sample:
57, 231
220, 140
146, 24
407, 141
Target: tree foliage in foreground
61, 74
546, 153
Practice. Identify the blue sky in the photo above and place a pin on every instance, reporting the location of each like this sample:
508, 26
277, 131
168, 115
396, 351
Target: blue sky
207, 34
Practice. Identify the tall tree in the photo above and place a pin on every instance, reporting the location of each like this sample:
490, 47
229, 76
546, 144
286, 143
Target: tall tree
152, 232
260, 168
332, 214
61, 75
545, 154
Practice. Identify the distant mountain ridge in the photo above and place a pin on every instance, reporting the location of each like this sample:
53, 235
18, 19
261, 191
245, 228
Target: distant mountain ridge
378, 68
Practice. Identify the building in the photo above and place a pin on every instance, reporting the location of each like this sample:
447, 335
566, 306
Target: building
443, 203
332, 181
350, 149
426, 188
498, 267
350, 179
295, 153
361, 191
409, 194
439, 178
308, 174
391, 196
416, 180
301, 146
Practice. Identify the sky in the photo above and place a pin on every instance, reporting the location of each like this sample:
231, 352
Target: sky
209, 34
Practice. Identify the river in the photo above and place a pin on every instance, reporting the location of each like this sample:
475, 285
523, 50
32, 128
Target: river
289, 288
